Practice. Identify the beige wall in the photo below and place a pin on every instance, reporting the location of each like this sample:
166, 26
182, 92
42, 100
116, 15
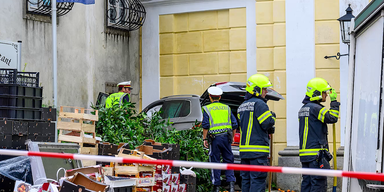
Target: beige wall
327, 42
201, 48
270, 61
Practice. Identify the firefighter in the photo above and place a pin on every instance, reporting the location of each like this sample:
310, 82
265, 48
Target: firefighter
122, 96
219, 126
256, 123
313, 120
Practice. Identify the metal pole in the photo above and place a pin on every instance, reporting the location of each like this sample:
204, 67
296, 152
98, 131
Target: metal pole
54, 55
334, 157
19, 56
270, 163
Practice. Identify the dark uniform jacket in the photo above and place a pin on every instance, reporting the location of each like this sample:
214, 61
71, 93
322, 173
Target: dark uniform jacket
313, 130
255, 120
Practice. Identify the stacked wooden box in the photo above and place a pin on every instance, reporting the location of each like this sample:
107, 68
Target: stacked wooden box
77, 125
144, 174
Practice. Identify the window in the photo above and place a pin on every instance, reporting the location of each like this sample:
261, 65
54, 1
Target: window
176, 108
115, 12
43, 7
153, 110
111, 87
125, 14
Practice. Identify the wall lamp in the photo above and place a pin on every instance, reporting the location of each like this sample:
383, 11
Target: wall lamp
345, 25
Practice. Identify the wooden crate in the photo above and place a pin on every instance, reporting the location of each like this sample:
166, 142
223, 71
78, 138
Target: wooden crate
78, 113
76, 125
77, 137
134, 169
109, 171
88, 151
80, 122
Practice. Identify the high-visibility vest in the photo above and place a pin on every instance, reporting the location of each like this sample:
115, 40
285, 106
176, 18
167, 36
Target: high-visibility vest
219, 117
115, 98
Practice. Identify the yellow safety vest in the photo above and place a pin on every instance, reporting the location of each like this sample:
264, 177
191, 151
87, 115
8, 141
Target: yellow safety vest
115, 98
219, 117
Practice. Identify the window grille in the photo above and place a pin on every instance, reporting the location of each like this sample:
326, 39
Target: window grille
43, 7
125, 14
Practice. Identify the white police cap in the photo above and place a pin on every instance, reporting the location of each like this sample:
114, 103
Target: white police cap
216, 91
125, 84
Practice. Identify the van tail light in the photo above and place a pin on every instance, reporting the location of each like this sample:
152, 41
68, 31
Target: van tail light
237, 138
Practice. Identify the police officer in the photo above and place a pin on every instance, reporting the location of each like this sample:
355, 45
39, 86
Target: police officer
256, 122
219, 126
313, 120
122, 96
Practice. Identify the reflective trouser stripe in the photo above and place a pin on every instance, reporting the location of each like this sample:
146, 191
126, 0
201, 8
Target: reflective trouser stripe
254, 148
309, 152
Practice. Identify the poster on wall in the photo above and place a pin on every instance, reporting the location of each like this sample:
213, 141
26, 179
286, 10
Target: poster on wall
9, 54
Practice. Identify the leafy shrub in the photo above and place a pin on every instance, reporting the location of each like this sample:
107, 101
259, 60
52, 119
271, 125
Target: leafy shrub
122, 124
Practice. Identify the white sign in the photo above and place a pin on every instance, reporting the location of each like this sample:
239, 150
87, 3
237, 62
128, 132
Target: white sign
9, 55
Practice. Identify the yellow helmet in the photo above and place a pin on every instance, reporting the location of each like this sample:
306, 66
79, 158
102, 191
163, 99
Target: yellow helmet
315, 87
256, 83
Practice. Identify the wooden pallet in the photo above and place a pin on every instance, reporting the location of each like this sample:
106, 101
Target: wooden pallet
69, 124
78, 113
77, 137
79, 121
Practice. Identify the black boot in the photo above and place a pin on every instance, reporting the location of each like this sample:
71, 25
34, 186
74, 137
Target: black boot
232, 186
216, 188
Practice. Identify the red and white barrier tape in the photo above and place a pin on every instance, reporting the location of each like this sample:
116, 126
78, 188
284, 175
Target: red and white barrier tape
222, 166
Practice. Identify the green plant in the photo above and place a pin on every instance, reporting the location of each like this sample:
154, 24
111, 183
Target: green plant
123, 124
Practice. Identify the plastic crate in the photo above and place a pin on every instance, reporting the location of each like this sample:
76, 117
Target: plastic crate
18, 142
29, 79
6, 183
5, 141
19, 128
21, 101
12, 76
19, 90
6, 127
7, 76
49, 114
20, 113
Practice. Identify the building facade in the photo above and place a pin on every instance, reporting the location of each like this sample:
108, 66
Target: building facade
188, 45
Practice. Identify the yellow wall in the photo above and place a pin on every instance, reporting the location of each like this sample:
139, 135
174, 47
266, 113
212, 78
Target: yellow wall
201, 48
270, 61
327, 39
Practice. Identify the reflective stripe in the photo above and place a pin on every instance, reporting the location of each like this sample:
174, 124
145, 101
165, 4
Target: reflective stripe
249, 129
254, 148
264, 116
217, 131
305, 135
322, 113
334, 113
309, 152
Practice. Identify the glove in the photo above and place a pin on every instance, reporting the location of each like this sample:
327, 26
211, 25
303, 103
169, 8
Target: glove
271, 130
333, 95
273, 114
